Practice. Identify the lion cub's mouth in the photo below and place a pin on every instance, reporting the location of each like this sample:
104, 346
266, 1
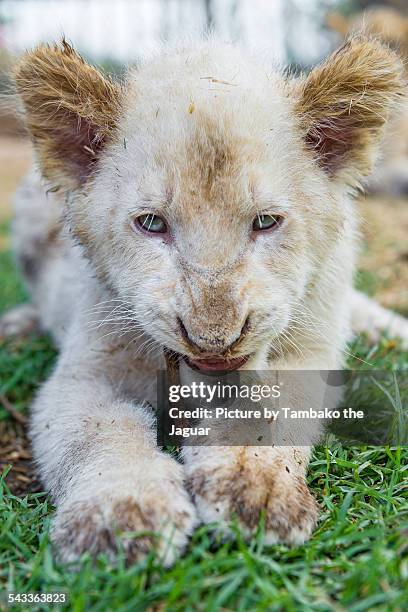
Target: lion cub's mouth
217, 364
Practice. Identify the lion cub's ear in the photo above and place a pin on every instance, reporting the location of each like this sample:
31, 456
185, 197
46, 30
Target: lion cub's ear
71, 111
344, 103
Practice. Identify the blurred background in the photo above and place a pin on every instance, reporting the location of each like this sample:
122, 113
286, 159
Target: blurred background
299, 33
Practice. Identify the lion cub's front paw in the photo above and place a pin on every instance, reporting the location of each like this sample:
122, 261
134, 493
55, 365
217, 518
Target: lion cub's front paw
249, 487
163, 523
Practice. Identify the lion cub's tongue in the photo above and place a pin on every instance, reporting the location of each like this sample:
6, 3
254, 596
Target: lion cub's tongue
210, 364
217, 364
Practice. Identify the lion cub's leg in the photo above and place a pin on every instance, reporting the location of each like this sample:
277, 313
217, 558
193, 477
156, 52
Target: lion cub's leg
19, 321
98, 456
369, 317
36, 244
248, 482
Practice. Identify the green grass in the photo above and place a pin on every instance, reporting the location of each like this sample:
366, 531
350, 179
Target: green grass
357, 559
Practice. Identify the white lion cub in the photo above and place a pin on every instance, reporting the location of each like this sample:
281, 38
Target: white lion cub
203, 207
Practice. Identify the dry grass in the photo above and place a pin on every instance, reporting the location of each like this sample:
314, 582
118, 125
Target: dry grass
15, 451
15, 159
385, 253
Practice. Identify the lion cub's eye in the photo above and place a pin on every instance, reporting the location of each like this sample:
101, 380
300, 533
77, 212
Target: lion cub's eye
266, 222
151, 223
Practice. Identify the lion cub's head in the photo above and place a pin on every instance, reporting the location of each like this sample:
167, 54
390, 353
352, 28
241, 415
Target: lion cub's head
211, 196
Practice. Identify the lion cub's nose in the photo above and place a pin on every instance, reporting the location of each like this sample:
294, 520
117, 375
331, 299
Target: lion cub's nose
214, 340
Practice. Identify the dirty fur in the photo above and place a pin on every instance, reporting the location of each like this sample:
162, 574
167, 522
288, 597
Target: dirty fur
345, 103
207, 138
71, 110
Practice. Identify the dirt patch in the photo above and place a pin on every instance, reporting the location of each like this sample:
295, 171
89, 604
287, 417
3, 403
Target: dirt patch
385, 252
15, 451
15, 160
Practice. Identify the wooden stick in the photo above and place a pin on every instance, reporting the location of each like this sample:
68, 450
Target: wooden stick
8, 407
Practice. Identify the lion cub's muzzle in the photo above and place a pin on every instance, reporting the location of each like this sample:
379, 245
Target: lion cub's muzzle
215, 350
